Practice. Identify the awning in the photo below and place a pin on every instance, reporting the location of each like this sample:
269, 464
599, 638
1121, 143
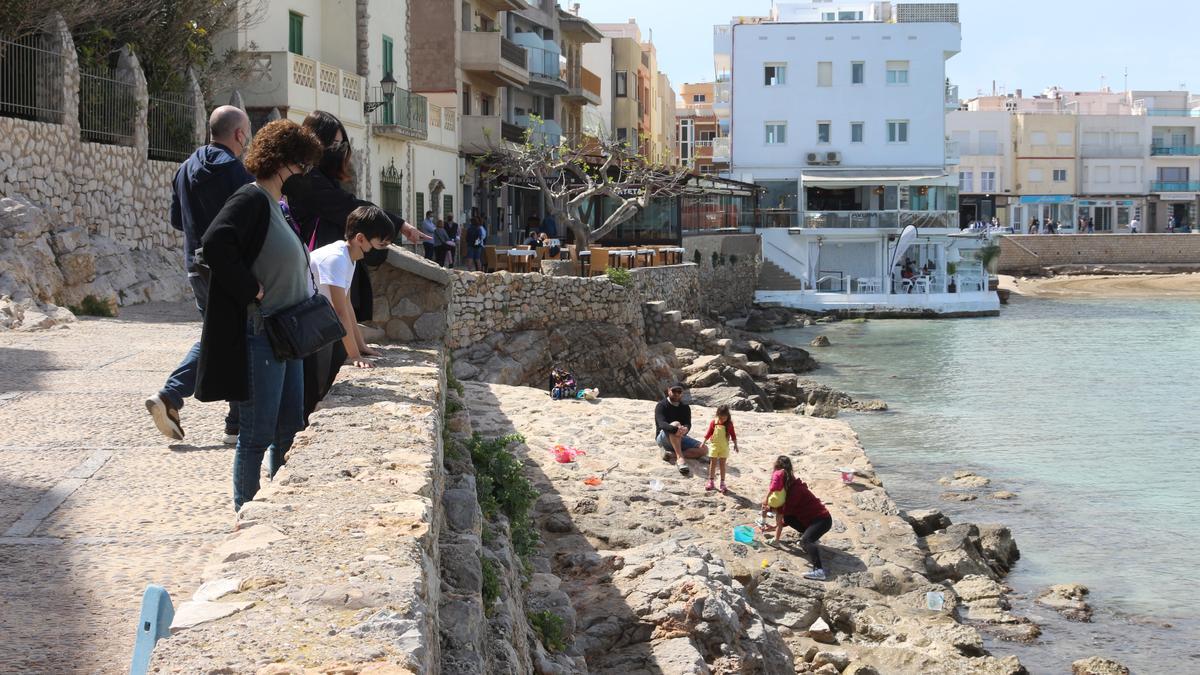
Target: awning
859, 177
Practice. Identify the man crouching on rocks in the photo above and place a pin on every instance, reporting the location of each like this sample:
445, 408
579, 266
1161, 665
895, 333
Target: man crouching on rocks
672, 421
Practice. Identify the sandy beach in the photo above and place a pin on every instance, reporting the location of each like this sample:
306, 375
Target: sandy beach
1105, 286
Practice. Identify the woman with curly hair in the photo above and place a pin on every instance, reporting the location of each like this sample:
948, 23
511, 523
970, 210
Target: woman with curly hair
259, 267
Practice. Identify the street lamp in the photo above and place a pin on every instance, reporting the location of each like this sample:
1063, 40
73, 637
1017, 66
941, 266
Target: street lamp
388, 86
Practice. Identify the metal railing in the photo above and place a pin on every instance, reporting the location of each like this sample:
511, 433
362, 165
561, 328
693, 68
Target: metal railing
1167, 112
779, 218
406, 110
1175, 150
170, 122
107, 108
546, 63
513, 52
31, 80
1174, 186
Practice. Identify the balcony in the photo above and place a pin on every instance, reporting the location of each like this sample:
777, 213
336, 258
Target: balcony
952, 155
502, 5
405, 117
484, 133
1175, 150
583, 87
285, 80
722, 94
720, 150
545, 132
1100, 151
952, 102
880, 219
1174, 186
547, 68
494, 57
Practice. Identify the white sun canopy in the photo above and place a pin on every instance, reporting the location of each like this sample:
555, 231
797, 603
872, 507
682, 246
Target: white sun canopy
857, 177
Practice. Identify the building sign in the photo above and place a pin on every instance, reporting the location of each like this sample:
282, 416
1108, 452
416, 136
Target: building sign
1105, 202
1177, 196
1046, 199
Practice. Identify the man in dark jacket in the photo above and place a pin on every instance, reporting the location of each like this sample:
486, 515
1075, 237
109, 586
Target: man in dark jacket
200, 188
672, 421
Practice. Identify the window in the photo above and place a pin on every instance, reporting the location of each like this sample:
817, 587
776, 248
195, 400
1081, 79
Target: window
823, 132
850, 16
485, 105
897, 131
857, 72
828, 16
989, 142
1035, 175
1178, 140
987, 181
897, 72
1126, 174
707, 135
1100, 174
420, 208
621, 84
1038, 138
388, 112
1060, 175
295, 33
856, 132
966, 181
824, 73
1064, 138
1173, 174
775, 74
776, 133
448, 204
698, 98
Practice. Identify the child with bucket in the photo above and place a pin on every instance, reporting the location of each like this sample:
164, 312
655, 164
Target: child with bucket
720, 430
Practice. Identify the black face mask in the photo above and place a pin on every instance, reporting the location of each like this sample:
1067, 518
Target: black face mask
295, 183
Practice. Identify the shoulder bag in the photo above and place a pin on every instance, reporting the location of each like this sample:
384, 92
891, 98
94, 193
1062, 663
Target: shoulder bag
304, 328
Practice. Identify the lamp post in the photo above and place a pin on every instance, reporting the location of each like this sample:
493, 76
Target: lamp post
388, 86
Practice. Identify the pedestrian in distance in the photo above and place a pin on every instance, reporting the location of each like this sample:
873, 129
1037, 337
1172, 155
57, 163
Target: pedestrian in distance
199, 189
721, 432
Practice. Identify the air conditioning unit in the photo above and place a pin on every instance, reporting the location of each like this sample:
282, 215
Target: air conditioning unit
814, 158
833, 158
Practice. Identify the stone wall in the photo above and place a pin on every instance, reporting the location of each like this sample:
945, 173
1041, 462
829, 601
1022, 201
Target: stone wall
1034, 254
677, 285
727, 287
336, 561
412, 296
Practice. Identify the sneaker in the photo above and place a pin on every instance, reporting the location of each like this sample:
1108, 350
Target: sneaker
724, 490
683, 468
709, 486
668, 456
230, 439
166, 417
816, 575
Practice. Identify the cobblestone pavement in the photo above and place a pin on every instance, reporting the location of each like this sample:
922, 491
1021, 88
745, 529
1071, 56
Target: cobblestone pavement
94, 503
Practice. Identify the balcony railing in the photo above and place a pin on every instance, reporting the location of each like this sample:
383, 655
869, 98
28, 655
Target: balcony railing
952, 156
1110, 151
1175, 150
952, 97
720, 149
287, 80
513, 53
502, 60
407, 114
1174, 186
878, 219
1167, 112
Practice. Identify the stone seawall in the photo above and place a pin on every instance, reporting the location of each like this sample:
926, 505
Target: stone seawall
728, 270
1036, 254
335, 565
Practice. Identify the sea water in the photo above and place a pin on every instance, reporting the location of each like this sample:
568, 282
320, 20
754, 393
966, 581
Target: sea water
1090, 411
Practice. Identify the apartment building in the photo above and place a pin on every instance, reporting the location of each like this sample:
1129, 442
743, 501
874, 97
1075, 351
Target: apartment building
642, 101
1044, 167
837, 111
984, 172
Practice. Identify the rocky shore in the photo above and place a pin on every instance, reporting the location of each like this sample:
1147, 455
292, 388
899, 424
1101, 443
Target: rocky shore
654, 579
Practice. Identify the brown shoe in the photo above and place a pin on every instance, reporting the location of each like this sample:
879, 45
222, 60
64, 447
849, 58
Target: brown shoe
166, 417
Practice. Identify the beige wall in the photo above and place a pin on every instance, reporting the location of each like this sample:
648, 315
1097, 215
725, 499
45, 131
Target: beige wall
1044, 144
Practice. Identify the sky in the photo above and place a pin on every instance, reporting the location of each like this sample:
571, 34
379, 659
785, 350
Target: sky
1018, 44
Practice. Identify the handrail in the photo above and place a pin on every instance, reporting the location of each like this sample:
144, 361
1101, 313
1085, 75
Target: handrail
776, 247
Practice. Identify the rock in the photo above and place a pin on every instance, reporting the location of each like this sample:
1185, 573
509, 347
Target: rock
926, 521
827, 669
860, 668
839, 660
216, 589
821, 632
822, 409
193, 613
873, 405
1067, 600
819, 341
786, 359
247, 541
964, 479
998, 547
678, 655
955, 553
787, 600
759, 320
757, 368
704, 379
958, 497
1097, 665
1003, 494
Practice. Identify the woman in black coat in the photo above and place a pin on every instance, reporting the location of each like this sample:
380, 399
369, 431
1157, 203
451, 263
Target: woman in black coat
259, 268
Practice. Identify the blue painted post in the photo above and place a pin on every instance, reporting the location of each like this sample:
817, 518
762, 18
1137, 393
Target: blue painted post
154, 623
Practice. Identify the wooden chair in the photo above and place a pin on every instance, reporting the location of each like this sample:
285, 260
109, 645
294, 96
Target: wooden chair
490, 262
501, 260
599, 260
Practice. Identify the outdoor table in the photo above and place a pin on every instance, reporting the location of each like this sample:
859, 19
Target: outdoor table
674, 254
618, 256
648, 254
519, 257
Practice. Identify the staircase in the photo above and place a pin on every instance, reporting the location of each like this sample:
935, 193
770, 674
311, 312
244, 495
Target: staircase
772, 277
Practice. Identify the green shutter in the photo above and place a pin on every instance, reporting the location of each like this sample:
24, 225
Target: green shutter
389, 116
295, 33
420, 214
448, 203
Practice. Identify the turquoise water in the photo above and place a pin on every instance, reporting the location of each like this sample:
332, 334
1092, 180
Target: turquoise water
1085, 408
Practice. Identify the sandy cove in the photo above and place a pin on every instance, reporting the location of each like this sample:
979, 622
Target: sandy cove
1105, 286
624, 549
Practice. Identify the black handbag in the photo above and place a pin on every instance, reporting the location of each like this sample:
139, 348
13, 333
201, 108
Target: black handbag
303, 328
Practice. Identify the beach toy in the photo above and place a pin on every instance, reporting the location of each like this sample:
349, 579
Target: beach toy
764, 563
934, 600
743, 534
847, 474
592, 480
656, 485
564, 454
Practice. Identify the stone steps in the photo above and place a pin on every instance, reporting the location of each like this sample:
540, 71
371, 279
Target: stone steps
709, 334
772, 277
693, 325
673, 316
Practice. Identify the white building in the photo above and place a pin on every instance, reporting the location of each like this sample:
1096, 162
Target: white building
984, 173
1112, 169
837, 111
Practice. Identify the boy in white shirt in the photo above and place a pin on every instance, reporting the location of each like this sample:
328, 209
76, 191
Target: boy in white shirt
367, 228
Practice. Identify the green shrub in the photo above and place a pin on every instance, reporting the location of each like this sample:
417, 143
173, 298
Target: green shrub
502, 488
92, 306
491, 584
619, 276
549, 628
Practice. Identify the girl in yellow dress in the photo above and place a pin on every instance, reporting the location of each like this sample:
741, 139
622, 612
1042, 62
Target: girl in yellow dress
720, 430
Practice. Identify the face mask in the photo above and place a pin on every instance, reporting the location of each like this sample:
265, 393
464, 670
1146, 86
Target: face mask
295, 182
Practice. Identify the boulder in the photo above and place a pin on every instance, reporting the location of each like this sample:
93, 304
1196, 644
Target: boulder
821, 632
821, 409
1003, 494
964, 479
998, 547
958, 497
819, 341
1067, 600
926, 521
788, 600
704, 379
786, 359
955, 553
1097, 665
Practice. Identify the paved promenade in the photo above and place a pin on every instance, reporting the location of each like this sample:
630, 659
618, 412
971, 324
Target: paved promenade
94, 503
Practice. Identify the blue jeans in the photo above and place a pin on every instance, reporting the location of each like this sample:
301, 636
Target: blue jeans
182, 383
686, 443
270, 418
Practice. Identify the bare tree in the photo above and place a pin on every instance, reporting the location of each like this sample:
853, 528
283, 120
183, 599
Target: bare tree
571, 177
